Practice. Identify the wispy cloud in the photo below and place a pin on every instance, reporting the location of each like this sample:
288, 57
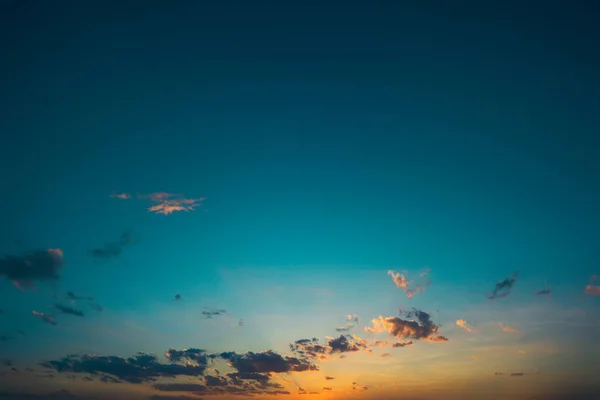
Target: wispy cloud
49, 319
210, 313
507, 329
410, 287
461, 323
353, 318
503, 287
112, 250
122, 196
69, 310
168, 203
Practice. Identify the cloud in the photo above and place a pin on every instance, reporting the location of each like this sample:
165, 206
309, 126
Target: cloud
503, 287
168, 203
266, 362
345, 328
507, 329
543, 292
112, 250
69, 310
49, 319
177, 297
329, 378
40, 265
385, 355
311, 348
137, 369
73, 297
461, 323
122, 196
353, 318
213, 313
327, 388
421, 327
410, 288
591, 289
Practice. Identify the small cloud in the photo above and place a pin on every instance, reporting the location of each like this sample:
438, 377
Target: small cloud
168, 203
177, 297
112, 250
241, 322
353, 318
521, 352
543, 292
385, 355
329, 378
503, 287
461, 323
327, 388
592, 289
410, 288
517, 374
49, 319
507, 329
96, 307
210, 313
474, 357
69, 310
73, 297
122, 196
40, 265
345, 328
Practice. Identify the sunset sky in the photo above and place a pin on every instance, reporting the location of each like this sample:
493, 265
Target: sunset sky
299, 200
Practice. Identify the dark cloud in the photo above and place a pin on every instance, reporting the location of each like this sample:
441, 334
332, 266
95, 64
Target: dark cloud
69, 310
137, 369
266, 362
158, 397
112, 250
311, 348
38, 266
96, 307
59, 395
49, 319
73, 297
420, 327
329, 378
503, 287
177, 297
327, 388
345, 328
209, 313
543, 292
517, 374
196, 355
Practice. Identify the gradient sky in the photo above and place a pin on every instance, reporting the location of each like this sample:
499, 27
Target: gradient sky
331, 142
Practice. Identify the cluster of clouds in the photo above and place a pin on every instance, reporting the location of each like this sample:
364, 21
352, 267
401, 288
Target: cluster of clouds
164, 203
410, 286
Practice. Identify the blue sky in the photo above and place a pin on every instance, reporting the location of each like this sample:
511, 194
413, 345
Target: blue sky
331, 142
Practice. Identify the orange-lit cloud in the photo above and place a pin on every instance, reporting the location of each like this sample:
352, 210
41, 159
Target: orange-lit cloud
461, 323
422, 328
507, 329
591, 289
122, 196
410, 288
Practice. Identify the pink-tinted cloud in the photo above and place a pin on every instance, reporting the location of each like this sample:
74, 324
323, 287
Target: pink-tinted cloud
168, 203
591, 289
49, 319
122, 196
461, 323
507, 329
410, 287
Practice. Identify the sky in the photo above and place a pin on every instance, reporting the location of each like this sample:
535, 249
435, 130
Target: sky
279, 199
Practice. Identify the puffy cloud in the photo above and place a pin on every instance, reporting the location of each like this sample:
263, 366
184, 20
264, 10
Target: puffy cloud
40, 265
410, 288
69, 310
592, 289
343, 344
503, 287
49, 319
421, 327
461, 323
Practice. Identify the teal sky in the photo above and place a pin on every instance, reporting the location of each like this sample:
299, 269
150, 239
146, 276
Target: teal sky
331, 142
